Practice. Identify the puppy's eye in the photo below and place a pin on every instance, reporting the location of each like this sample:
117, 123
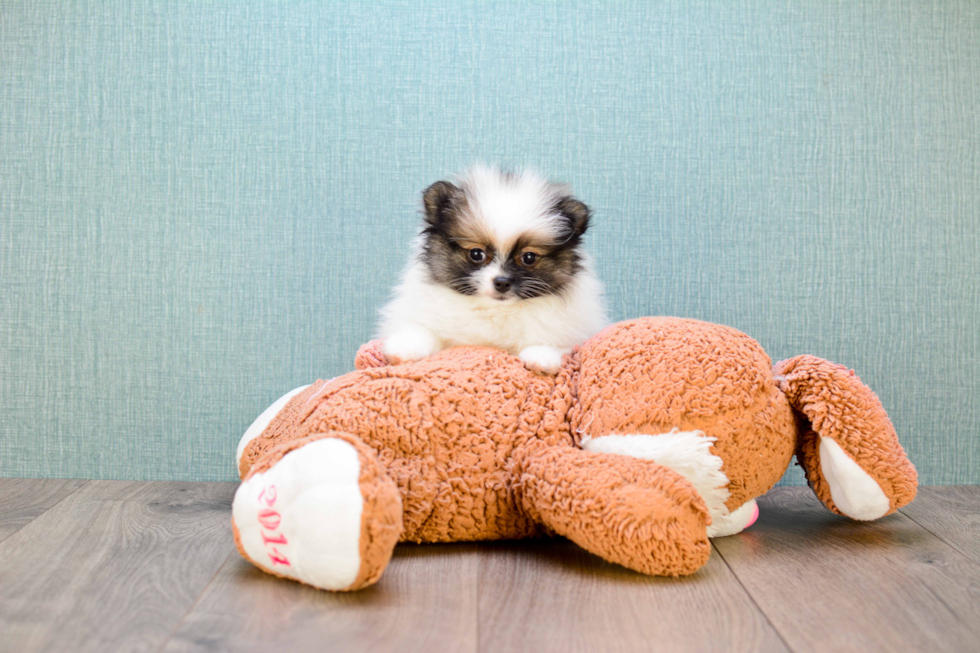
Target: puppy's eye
529, 258
477, 255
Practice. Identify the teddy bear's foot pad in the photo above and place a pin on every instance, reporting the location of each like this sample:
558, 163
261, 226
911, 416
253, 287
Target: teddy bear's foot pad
854, 492
301, 518
734, 522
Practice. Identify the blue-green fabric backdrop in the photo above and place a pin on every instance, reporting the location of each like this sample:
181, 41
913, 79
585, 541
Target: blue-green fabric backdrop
202, 204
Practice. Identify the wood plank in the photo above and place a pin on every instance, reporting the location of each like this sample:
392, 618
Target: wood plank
831, 584
550, 595
426, 601
952, 514
113, 567
22, 500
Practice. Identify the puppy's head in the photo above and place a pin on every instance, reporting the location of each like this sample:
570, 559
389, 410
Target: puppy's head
506, 236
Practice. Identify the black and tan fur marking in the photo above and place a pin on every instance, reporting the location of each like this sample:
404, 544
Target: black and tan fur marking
451, 232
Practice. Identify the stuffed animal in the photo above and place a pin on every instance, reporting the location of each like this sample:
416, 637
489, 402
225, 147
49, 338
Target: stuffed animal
655, 435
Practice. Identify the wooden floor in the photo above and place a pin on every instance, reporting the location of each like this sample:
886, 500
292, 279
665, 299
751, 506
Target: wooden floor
133, 566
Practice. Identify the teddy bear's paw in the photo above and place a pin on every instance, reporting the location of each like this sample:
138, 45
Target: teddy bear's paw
312, 515
410, 344
686, 452
734, 522
543, 358
852, 489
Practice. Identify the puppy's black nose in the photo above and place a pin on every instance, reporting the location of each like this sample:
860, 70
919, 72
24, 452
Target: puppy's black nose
501, 284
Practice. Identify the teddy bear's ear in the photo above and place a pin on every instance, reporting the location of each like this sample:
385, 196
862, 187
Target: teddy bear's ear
575, 213
437, 201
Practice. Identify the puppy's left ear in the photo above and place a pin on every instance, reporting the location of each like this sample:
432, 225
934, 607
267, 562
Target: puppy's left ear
576, 213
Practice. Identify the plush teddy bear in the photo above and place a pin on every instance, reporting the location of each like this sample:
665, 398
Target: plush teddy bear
655, 435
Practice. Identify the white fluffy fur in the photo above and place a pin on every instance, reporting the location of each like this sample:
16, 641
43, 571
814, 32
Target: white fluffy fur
509, 208
425, 317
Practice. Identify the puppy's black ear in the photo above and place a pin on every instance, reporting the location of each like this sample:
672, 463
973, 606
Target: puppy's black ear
437, 201
576, 213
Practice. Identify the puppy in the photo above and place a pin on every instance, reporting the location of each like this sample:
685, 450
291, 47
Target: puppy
499, 262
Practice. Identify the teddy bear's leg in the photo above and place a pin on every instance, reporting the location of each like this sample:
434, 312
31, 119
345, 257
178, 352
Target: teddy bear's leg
321, 510
263, 420
847, 445
633, 512
689, 454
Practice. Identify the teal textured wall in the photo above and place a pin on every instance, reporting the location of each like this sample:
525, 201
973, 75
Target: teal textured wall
202, 204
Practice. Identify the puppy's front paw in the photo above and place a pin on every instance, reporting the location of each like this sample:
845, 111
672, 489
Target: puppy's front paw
542, 358
409, 345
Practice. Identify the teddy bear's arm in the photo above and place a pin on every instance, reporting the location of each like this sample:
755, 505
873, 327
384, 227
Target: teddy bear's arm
370, 355
633, 512
848, 449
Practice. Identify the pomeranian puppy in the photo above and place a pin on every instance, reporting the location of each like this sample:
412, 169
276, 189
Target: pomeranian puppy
499, 263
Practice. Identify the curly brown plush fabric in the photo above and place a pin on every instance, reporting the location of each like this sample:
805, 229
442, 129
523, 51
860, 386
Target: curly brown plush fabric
639, 515
480, 448
655, 374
